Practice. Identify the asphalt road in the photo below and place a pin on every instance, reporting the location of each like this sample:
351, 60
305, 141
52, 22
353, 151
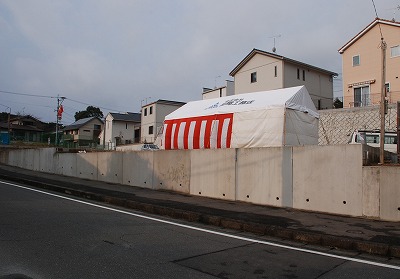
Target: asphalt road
48, 236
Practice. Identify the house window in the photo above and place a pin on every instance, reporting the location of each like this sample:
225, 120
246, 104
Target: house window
150, 130
395, 51
304, 75
298, 73
145, 112
361, 96
253, 77
96, 127
276, 71
126, 125
87, 131
356, 60
151, 110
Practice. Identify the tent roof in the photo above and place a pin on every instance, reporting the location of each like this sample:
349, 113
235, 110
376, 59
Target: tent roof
296, 98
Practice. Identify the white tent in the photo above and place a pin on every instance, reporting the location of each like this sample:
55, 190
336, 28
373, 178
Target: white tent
283, 117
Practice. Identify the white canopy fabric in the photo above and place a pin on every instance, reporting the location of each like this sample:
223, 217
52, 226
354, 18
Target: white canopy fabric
296, 98
268, 118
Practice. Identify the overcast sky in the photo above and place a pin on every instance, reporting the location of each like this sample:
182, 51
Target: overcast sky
119, 54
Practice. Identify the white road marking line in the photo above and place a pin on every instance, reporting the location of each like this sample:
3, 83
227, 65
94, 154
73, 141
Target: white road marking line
210, 231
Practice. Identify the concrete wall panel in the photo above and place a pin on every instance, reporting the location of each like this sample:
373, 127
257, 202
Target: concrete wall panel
172, 170
109, 166
138, 168
4, 156
47, 160
15, 158
328, 179
213, 173
28, 159
66, 164
371, 198
390, 193
264, 176
86, 165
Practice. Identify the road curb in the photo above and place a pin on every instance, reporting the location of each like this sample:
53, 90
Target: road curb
302, 236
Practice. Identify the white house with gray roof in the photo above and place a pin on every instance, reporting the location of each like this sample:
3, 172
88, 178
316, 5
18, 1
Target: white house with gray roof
120, 128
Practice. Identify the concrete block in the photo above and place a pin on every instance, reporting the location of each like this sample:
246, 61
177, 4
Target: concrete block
86, 164
66, 164
47, 160
371, 198
264, 176
138, 168
172, 170
213, 173
389, 193
328, 179
109, 166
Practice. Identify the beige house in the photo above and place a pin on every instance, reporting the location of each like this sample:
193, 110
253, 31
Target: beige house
223, 91
83, 132
263, 71
153, 116
362, 65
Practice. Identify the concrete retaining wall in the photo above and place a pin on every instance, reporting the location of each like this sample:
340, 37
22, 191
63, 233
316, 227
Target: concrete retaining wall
318, 178
138, 169
86, 166
109, 166
213, 173
264, 176
172, 170
328, 178
66, 164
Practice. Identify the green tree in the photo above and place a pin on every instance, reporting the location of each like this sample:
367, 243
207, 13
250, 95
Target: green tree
90, 111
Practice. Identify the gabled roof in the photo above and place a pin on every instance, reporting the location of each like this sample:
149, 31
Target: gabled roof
80, 123
128, 117
366, 29
4, 126
279, 57
165, 102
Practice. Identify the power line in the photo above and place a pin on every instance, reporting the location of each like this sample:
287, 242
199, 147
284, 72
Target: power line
376, 13
53, 97
25, 94
83, 103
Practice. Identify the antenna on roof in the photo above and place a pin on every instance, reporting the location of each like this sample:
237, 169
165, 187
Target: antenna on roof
276, 36
394, 12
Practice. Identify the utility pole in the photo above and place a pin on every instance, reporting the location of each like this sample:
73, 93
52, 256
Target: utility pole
59, 102
383, 103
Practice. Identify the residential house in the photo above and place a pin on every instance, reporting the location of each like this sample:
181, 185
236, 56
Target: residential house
24, 128
263, 71
120, 128
362, 64
153, 116
223, 91
83, 132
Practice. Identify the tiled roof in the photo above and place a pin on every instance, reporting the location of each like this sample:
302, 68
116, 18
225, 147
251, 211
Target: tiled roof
130, 116
79, 123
